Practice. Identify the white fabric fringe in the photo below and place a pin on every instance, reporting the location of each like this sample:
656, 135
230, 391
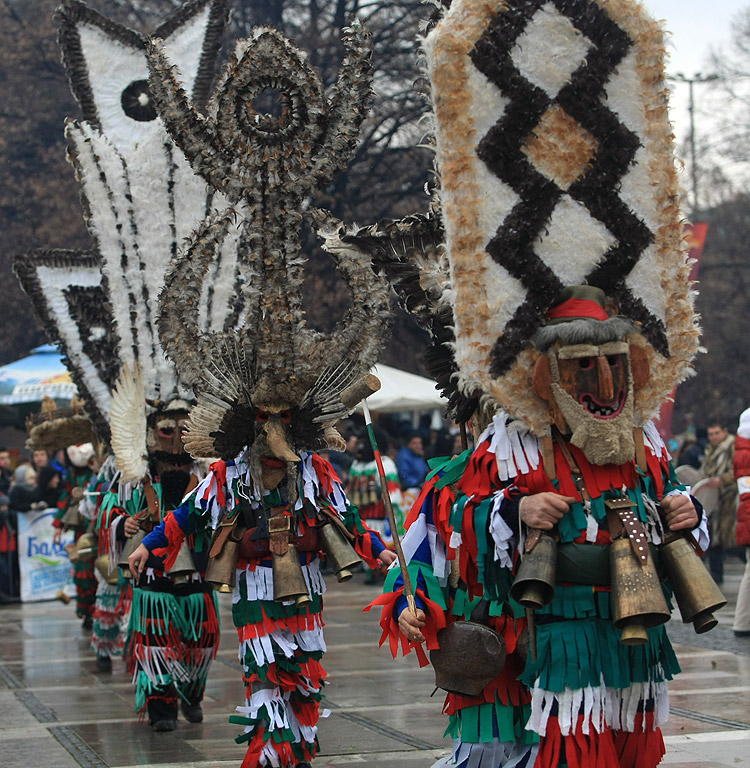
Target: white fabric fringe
601, 707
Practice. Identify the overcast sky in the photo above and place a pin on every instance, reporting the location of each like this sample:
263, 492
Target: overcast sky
697, 26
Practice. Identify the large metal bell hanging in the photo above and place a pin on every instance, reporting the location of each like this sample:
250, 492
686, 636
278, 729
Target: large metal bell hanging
534, 585
131, 545
288, 580
222, 569
338, 549
637, 598
695, 592
183, 567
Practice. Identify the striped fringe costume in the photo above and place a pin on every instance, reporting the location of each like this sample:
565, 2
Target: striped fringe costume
280, 644
173, 631
590, 701
84, 577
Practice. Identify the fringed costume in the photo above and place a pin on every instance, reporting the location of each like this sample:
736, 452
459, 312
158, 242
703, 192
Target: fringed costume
269, 389
551, 277
84, 577
173, 633
281, 643
114, 593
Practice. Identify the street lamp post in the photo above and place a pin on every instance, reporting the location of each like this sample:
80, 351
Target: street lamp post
696, 78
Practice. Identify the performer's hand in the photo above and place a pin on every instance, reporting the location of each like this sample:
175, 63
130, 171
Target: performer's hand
411, 625
387, 557
543, 510
137, 561
57, 535
679, 512
131, 526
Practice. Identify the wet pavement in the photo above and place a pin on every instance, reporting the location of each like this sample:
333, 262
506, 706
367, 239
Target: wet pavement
57, 711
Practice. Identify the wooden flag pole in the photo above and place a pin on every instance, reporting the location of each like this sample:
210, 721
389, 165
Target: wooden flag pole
408, 590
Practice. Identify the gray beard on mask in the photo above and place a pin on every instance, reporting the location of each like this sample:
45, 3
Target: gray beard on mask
603, 441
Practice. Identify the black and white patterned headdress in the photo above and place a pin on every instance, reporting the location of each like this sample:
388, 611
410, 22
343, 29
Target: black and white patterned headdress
140, 199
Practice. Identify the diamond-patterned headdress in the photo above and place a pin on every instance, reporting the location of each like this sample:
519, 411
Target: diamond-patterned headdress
555, 156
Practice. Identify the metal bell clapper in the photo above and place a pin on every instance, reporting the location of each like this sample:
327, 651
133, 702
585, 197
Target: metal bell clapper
338, 549
534, 585
695, 592
637, 598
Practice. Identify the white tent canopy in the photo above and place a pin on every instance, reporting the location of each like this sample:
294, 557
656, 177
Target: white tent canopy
401, 391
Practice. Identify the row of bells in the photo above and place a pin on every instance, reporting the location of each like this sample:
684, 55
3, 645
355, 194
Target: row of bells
637, 597
288, 578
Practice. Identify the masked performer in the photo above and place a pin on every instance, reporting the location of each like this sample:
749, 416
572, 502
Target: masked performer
70, 518
141, 200
270, 391
364, 491
552, 279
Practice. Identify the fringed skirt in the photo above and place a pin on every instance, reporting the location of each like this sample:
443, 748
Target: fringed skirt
281, 646
172, 640
111, 614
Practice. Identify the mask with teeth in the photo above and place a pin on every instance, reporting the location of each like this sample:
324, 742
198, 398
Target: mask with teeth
588, 374
593, 389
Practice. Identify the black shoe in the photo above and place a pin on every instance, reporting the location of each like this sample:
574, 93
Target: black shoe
87, 623
742, 632
162, 726
193, 713
103, 663
304, 765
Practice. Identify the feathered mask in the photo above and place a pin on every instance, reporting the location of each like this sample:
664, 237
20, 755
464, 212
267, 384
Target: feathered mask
270, 368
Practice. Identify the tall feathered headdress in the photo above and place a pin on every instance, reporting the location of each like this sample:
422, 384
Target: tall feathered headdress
140, 199
555, 158
268, 161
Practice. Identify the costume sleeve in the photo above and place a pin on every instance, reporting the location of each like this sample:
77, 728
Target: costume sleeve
426, 554
166, 539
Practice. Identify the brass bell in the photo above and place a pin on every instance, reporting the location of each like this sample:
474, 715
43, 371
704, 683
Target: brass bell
637, 598
534, 585
86, 546
339, 551
695, 592
72, 552
72, 517
469, 656
183, 566
288, 580
131, 545
222, 569
102, 565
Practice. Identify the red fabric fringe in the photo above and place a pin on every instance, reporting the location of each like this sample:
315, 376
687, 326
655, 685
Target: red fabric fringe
435, 621
611, 749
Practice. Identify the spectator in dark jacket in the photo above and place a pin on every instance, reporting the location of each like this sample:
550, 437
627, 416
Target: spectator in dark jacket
24, 494
50, 482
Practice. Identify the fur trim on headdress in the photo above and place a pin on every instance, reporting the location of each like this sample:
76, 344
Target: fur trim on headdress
582, 331
555, 156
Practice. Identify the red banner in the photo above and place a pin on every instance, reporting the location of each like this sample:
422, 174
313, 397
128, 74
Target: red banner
695, 239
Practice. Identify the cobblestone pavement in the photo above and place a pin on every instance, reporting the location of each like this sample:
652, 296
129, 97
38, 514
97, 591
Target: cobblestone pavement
57, 711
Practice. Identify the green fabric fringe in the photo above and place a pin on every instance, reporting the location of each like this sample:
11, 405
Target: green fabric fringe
475, 724
581, 652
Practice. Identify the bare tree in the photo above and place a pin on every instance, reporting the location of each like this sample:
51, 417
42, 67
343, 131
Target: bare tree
38, 206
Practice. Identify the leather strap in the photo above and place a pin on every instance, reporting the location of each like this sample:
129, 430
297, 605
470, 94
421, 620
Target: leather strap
152, 502
621, 518
279, 530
